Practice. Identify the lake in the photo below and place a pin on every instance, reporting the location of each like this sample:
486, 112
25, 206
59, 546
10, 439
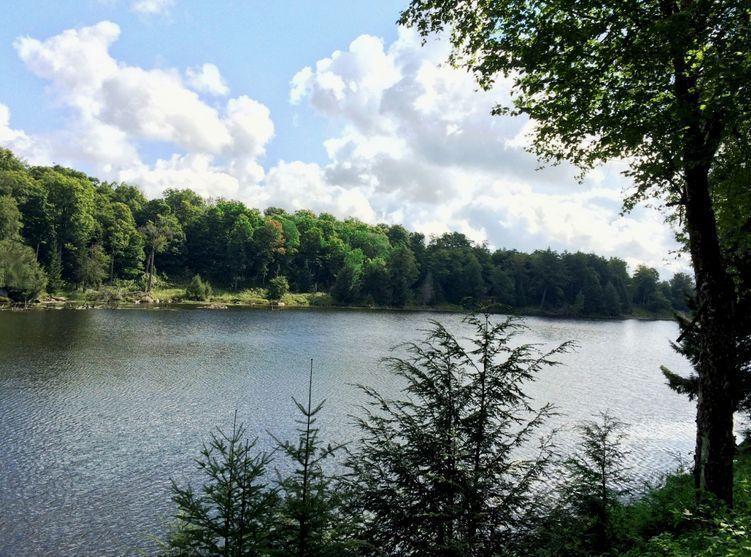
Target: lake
99, 408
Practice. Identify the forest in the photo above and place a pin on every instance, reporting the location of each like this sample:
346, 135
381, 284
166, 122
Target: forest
69, 230
463, 461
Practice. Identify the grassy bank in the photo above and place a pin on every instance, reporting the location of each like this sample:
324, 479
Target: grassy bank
668, 522
170, 294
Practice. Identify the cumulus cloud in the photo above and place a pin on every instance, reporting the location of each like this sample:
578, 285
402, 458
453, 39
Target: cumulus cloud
418, 141
207, 79
298, 185
115, 108
413, 142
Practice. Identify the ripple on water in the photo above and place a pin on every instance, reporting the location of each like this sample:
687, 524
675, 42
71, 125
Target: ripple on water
98, 409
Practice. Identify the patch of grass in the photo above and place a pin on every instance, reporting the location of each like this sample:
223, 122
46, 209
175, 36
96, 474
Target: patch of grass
167, 292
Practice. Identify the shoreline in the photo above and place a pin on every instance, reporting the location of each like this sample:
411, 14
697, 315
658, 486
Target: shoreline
79, 305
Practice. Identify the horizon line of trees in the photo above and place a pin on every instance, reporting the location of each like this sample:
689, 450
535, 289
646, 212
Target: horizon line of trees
83, 232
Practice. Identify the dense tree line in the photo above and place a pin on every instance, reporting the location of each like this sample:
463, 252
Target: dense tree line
84, 232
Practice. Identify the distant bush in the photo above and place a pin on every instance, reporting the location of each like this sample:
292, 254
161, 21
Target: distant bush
21, 277
278, 287
198, 289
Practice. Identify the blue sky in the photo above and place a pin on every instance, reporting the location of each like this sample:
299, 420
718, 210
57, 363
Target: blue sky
258, 45
324, 105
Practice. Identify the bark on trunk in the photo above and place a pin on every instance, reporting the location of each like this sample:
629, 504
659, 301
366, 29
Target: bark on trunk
717, 369
715, 443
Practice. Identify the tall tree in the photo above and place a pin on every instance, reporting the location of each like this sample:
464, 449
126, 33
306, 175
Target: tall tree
661, 83
157, 236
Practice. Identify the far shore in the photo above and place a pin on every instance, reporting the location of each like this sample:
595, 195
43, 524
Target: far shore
297, 303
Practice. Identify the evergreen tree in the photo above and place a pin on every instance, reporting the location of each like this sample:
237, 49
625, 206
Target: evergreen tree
310, 522
592, 294
347, 285
92, 267
233, 514
583, 519
611, 300
55, 268
375, 281
435, 472
403, 273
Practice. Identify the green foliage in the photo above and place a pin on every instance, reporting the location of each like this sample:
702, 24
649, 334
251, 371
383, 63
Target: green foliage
586, 515
402, 275
310, 519
233, 514
20, 274
278, 287
93, 266
375, 282
159, 235
64, 214
434, 473
664, 86
10, 218
346, 288
198, 289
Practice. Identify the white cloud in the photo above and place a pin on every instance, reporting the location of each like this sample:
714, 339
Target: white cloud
195, 171
155, 105
414, 143
418, 141
31, 149
297, 185
115, 108
151, 7
207, 79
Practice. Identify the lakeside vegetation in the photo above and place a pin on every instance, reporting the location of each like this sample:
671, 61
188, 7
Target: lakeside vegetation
70, 232
663, 87
436, 470
659, 86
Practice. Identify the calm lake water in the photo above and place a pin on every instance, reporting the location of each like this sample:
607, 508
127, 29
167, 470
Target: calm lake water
98, 409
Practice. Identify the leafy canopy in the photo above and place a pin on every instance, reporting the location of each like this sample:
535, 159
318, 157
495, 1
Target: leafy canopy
599, 78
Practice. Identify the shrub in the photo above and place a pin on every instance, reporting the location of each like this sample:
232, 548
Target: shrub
21, 277
278, 287
198, 290
585, 515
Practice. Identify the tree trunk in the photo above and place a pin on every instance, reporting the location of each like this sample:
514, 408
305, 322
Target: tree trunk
150, 266
715, 443
717, 369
